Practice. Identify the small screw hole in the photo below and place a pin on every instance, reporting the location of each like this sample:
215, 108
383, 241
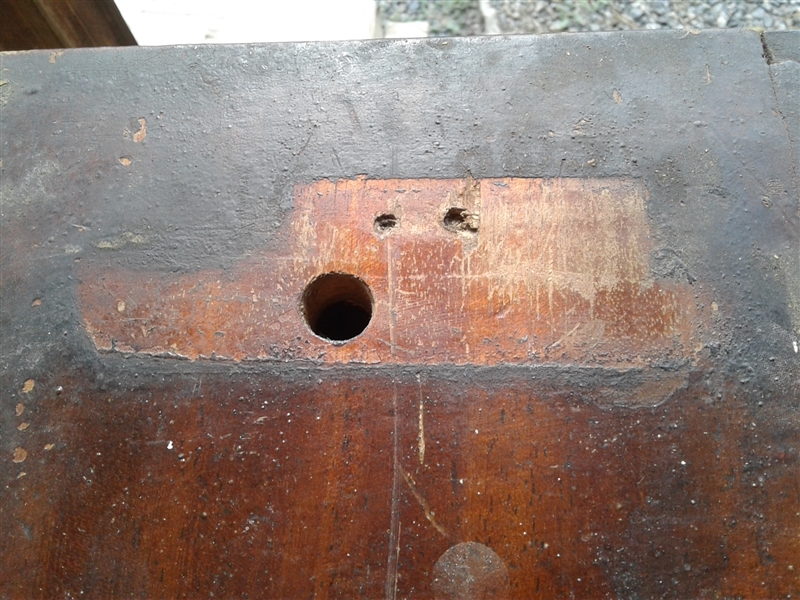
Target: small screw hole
337, 306
384, 223
459, 219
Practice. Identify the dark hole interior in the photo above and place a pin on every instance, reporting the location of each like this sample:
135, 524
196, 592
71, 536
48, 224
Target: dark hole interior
455, 217
341, 321
459, 219
337, 306
384, 223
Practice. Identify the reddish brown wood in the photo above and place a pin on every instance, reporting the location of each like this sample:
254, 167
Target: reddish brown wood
559, 273
212, 482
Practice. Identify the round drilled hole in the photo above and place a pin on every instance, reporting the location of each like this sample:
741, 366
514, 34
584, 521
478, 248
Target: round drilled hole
385, 223
337, 306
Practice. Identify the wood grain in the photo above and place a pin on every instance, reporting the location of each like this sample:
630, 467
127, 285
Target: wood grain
552, 271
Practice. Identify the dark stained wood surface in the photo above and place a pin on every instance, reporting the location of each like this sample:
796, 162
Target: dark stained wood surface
580, 374
39, 24
257, 486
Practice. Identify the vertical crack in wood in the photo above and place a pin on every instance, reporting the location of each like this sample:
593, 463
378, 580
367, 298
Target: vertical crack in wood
421, 435
394, 530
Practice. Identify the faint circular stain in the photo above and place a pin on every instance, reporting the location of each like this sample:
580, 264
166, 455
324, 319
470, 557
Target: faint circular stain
470, 571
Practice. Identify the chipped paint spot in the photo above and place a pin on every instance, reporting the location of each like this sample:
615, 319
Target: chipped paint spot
55, 55
37, 302
28, 386
125, 160
20, 408
121, 306
21, 475
20, 454
142, 133
49, 447
714, 306
23, 426
120, 241
617, 97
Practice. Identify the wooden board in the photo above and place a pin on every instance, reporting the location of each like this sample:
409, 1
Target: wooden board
488, 318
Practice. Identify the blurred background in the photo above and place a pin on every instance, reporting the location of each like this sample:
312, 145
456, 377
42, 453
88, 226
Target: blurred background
477, 17
28, 24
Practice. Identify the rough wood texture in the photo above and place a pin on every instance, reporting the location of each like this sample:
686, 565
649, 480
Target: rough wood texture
579, 374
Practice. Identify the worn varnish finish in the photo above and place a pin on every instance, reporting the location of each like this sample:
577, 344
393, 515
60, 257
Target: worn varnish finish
549, 271
580, 378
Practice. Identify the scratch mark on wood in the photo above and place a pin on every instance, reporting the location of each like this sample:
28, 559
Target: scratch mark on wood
351, 111
429, 514
563, 337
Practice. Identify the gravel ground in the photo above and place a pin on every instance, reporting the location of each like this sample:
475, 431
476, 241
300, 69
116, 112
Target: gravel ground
477, 17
